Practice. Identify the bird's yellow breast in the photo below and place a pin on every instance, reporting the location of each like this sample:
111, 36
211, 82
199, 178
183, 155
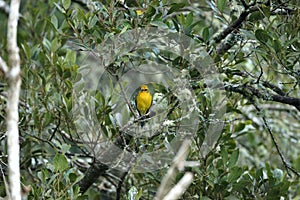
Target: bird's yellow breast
143, 102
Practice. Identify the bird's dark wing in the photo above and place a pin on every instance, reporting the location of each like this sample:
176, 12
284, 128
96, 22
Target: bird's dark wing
136, 103
150, 104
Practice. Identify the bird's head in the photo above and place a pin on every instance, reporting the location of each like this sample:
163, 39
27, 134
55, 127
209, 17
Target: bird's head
144, 88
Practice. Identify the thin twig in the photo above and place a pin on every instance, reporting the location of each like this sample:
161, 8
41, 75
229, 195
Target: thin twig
286, 165
3, 66
5, 183
266, 84
120, 184
56, 127
261, 70
126, 99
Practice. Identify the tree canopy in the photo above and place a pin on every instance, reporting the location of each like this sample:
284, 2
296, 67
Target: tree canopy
224, 76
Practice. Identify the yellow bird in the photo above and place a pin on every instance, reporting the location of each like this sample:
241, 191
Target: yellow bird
143, 101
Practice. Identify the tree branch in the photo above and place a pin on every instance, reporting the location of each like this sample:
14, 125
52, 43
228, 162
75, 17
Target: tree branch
233, 26
177, 191
99, 168
283, 160
250, 91
164, 191
274, 88
91, 175
14, 81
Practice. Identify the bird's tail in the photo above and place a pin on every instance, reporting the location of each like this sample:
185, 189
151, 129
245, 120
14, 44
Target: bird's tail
142, 123
142, 120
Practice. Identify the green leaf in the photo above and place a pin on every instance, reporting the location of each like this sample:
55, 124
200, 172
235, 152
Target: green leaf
189, 19
26, 50
266, 10
46, 43
60, 162
159, 24
54, 21
66, 4
262, 35
205, 34
71, 57
81, 16
126, 26
239, 127
224, 154
47, 118
65, 148
150, 12
233, 158
68, 102
55, 44
73, 177
297, 163
176, 7
277, 45
235, 173
221, 5
92, 21
255, 16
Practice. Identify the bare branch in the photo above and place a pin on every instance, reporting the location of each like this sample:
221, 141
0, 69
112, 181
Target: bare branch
244, 4
236, 24
274, 88
99, 168
13, 75
91, 175
177, 191
250, 91
226, 45
126, 99
178, 164
12, 47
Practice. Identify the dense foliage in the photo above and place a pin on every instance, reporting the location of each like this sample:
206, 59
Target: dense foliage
225, 74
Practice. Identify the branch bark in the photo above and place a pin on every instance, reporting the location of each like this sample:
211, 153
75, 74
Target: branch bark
99, 168
250, 91
236, 24
12, 72
165, 191
91, 176
177, 191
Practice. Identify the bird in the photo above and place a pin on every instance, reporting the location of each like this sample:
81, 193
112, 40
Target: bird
143, 102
